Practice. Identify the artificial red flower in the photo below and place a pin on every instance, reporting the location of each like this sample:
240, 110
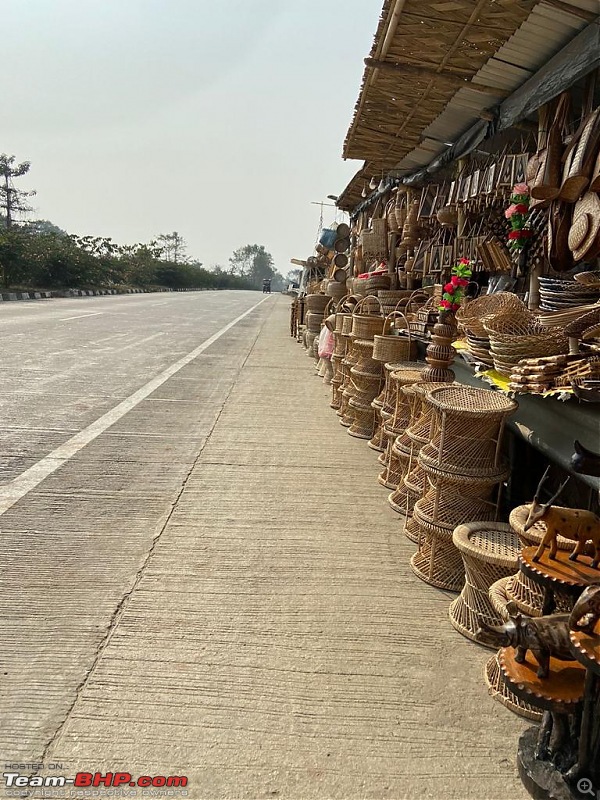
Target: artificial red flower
464, 261
446, 304
454, 279
455, 306
521, 208
463, 282
449, 287
524, 233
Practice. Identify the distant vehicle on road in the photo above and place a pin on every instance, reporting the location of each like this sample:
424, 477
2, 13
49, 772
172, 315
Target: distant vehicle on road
266, 286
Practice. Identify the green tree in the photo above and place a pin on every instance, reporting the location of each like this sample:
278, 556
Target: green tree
173, 247
252, 262
12, 200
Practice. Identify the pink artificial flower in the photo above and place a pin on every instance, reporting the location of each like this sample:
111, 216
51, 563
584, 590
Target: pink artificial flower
510, 211
520, 188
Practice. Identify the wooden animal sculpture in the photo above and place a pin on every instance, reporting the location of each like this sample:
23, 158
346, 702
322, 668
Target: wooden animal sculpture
544, 636
576, 524
585, 461
586, 611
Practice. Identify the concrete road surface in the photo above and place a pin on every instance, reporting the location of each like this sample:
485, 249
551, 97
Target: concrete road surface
201, 576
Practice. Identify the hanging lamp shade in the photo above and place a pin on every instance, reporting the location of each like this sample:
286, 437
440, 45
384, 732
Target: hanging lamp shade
381, 186
364, 191
372, 183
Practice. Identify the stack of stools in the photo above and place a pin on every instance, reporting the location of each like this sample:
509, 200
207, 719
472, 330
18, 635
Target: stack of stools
315, 305
413, 481
389, 350
339, 351
364, 326
366, 376
464, 470
388, 404
384, 405
394, 457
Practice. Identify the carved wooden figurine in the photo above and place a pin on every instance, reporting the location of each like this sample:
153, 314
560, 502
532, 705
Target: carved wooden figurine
586, 611
544, 636
576, 524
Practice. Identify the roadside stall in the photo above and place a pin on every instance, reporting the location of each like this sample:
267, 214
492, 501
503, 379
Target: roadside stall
464, 338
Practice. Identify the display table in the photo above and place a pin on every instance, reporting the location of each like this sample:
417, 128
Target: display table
558, 574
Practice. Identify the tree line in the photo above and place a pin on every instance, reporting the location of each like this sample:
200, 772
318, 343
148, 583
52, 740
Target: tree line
40, 255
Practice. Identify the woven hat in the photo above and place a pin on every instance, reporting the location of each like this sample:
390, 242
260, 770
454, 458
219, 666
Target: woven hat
585, 226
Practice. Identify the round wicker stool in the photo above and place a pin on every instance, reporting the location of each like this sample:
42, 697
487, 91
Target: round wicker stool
492, 676
466, 430
365, 364
490, 551
377, 441
363, 424
438, 562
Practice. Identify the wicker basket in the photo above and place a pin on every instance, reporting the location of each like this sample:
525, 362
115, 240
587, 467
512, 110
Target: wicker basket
366, 325
316, 303
376, 282
390, 348
514, 337
470, 315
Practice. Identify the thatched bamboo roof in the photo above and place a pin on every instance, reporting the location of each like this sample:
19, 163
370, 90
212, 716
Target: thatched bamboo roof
432, 57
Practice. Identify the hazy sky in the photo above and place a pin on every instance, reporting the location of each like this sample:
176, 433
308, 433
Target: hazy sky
222, 120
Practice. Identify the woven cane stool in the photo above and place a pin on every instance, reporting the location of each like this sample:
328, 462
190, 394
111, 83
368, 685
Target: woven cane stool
397, 463
406, 450
411, 488
377, 441
386, 403
521, 589
400, 417
412, 531
366, 364
336, 381
466, 430
363, 424
490, 551
415, 436
438, 561
395, 426
389, 400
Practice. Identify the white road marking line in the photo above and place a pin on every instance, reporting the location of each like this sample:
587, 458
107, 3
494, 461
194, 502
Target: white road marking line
16, 489
81, 316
